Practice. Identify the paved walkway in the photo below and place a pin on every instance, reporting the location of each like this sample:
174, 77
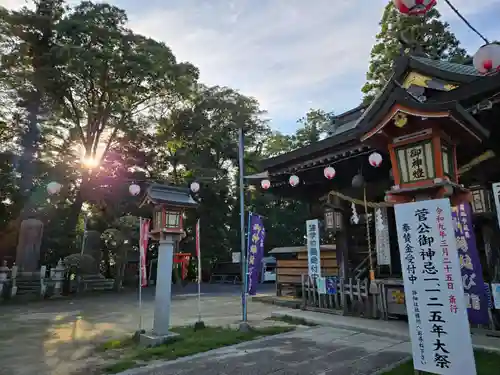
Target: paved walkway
391, 328
316, 351
57, 337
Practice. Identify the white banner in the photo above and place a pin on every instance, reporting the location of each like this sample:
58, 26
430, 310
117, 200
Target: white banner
495, 293
382, 243
437, 316
321, 285
496, 195
313, 251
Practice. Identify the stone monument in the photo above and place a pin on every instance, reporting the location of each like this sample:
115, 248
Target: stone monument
28, 245
92, 247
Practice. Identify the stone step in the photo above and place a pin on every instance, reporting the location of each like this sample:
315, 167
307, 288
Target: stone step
24, 291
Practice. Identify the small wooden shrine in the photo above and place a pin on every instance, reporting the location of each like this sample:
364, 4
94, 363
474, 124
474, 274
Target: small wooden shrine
434, 125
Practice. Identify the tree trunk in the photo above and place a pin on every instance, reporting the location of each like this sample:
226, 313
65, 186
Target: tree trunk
76, 206
73, 215
27, 164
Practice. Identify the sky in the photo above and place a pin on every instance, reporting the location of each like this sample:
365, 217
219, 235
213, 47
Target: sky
291, 55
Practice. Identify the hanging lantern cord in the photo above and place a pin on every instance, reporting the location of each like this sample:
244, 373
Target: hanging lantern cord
466, 22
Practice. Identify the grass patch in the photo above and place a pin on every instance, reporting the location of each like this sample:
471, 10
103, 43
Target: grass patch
486, 364
188, 342
292, 320
115, 344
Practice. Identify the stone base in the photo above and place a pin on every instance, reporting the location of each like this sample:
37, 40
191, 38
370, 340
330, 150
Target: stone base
244, 327
150, 339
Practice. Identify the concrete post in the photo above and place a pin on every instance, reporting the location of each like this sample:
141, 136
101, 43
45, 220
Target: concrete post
161, 322
13, 276
163, 295
57, 276
4, 278
43, 283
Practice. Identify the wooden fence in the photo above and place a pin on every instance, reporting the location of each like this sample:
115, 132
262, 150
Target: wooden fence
352, 297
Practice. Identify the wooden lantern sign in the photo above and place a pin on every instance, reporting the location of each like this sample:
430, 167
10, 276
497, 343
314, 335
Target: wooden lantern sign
169, 204
422, 140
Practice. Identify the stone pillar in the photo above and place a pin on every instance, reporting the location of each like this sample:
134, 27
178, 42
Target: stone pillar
28, 246
163, 294
4, 278
57, 276
43, 283
13, 276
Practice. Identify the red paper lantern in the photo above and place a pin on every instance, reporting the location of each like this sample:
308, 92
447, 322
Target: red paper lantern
375, 159
329, 172
294, 180
265, 184
414, 7
487, 58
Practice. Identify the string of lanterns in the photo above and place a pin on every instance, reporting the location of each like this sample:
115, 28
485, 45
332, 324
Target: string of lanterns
134, 189
375, 160
487, 58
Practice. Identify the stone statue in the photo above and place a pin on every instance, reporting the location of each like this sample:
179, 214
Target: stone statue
92, 247
28, 245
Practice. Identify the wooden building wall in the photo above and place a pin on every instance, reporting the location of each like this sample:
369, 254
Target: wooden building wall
290, 267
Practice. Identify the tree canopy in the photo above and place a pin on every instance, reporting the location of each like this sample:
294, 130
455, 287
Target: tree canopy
94, 106
430, 35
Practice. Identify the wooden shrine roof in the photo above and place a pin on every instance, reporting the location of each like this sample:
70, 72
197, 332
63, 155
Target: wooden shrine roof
455, 88
158, 194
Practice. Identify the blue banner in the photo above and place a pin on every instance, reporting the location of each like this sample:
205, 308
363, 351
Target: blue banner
256, 236
470, 265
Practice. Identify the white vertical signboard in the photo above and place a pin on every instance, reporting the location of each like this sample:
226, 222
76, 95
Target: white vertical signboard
313, 251
496, 195
382, 237
437, 316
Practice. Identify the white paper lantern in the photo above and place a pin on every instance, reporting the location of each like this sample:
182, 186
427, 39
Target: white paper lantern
329, 172
195, 187
375, 159
265, 184
414, 7
487, 58
53, 187
134, 189
294, 180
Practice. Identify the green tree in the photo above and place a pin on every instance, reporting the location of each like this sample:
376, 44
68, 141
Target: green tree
27, 69
277, 143
430, 34
199, 140
314, 125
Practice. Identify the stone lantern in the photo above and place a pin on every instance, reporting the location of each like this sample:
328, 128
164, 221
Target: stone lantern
169, 204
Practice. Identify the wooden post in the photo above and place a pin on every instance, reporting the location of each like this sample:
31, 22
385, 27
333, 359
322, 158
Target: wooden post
341, 240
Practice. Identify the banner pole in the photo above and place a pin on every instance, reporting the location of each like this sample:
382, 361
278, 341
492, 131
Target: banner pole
140, 271
198, 248
245, 270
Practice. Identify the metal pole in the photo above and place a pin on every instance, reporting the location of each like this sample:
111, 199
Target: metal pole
140, 274
245, 267
199, 267
242, 223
